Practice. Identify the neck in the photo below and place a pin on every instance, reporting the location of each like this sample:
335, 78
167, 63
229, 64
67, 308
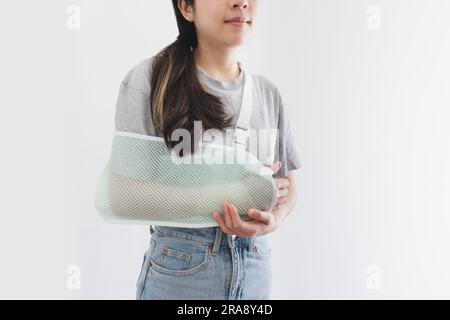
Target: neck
219, 63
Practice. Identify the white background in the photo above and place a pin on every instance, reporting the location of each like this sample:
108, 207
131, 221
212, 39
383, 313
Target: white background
369, 108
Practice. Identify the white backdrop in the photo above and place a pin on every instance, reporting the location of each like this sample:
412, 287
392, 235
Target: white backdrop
367, 87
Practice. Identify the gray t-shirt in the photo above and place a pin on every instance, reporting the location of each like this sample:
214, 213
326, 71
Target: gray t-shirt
133, 108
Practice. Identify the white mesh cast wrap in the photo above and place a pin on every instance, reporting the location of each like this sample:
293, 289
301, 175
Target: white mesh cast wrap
142, 184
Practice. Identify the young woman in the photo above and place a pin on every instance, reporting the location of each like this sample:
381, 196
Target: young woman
198, 77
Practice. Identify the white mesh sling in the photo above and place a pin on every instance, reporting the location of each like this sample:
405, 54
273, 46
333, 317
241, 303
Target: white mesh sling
145, 183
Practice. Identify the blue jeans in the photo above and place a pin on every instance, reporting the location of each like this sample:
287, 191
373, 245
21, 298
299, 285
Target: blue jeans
204, 263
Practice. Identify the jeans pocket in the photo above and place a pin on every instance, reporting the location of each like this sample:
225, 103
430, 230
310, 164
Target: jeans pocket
176, 256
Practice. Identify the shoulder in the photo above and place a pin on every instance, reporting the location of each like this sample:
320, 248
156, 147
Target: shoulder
266, 87
138, 76
263, 81
268, 99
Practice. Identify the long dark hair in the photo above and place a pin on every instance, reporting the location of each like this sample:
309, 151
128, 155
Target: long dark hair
177, 96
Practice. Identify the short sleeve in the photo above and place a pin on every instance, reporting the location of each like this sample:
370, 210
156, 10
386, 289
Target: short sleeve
287, 150
133, 103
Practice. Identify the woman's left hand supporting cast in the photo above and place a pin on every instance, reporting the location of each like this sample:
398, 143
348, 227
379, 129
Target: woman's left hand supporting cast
261, 222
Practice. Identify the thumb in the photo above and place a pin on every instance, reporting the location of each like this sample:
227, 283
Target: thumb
275, 167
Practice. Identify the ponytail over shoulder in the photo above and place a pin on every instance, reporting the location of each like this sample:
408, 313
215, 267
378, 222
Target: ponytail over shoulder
177, 97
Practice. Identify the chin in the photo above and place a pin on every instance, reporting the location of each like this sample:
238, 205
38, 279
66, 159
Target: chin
238, 40
234, 43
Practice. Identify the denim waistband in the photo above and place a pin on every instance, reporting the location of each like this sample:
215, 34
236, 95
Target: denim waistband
206, 235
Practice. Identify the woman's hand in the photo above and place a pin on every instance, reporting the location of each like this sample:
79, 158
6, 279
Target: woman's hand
261, 222
282, 186
282, 191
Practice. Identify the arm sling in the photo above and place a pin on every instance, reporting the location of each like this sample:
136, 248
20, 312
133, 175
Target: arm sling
142, 184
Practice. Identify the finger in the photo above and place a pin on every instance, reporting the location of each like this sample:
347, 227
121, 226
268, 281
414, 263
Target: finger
279, 203
227, 215
262, 216
249, 228
282, 183
221, 223
283, 200
282, 193
240, 227
236, 220
275, 167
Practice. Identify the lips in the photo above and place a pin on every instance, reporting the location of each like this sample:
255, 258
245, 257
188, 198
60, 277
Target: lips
238, 19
